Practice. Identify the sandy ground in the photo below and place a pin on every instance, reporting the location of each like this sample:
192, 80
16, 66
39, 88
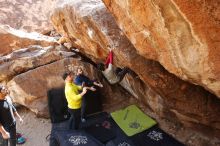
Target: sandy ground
33, 129
36, 129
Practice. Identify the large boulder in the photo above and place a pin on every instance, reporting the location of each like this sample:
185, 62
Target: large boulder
182, 35
29, 58
90, 26
12, 39
30, 88
28, 15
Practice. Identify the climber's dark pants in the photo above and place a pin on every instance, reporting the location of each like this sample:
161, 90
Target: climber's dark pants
12, 140
121, 73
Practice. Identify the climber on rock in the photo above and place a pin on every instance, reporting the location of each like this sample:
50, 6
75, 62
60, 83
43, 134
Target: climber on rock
83, 80
112, 74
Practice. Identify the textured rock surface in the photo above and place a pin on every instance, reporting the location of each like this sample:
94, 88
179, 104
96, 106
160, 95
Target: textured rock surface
30, 88
29, 58
90, 26
29, 15
182, 35
12, 39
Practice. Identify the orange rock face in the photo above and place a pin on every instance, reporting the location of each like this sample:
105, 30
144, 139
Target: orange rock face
12, 39
30, 88
91, 27
28, 15
26, 59
184, 36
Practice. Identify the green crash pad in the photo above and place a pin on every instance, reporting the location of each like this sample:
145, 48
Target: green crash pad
132, 120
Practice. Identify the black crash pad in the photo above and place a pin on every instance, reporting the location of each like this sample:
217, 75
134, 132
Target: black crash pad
76, 138
93, 102
102, 129
95, 118
154, 137
121, 139
111, 134
57, 105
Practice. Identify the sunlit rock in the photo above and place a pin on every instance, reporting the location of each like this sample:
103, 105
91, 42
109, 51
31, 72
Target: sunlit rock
29, 15
12, 39
91, 27
30, 88
29, 58
184, 36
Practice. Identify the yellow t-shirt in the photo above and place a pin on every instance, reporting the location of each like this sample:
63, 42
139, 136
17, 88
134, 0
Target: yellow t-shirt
72, 95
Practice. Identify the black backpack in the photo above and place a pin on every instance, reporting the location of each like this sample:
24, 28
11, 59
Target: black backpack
57, 104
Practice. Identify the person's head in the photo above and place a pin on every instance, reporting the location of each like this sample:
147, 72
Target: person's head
101, 66
68, 76
79, 71
3, 92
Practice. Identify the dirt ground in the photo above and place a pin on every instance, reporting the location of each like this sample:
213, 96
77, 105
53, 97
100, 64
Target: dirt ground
33, 129
36, 129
